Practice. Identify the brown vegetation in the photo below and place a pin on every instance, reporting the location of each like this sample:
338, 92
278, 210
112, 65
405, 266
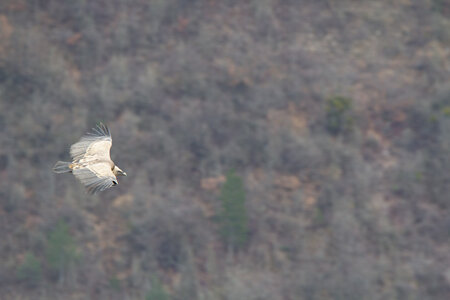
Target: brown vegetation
333, 114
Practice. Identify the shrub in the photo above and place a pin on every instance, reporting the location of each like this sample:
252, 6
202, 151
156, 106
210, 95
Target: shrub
114, 283
339, 117
30, 271
157, 291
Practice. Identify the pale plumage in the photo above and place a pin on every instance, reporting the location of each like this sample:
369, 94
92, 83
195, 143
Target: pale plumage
91, 162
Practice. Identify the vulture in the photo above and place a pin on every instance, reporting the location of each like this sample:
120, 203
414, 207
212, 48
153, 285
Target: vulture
91, 163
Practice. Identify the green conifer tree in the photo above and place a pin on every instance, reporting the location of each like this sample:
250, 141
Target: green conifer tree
30, 271
61, 248
233, 216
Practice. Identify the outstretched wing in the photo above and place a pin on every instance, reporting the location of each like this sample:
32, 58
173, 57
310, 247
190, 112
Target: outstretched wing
93, 145
96, 177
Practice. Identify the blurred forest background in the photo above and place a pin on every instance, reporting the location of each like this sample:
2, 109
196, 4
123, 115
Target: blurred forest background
275, 149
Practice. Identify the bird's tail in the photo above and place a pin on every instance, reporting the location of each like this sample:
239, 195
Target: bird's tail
62, 167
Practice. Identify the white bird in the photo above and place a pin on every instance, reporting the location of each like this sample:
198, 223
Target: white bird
91, 161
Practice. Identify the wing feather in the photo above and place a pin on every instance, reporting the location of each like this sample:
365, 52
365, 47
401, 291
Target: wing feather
96, 177
93, 145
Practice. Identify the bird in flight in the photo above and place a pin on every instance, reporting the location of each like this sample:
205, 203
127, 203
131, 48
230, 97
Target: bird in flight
91, 162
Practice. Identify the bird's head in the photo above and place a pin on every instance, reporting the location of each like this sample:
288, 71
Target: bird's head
118, 172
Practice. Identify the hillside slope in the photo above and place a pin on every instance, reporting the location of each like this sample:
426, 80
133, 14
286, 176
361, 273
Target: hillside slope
335, 115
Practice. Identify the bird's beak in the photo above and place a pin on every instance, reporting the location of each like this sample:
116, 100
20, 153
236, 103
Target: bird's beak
124, 174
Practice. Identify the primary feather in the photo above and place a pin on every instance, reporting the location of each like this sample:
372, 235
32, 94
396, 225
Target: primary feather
94, 144
96, 177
